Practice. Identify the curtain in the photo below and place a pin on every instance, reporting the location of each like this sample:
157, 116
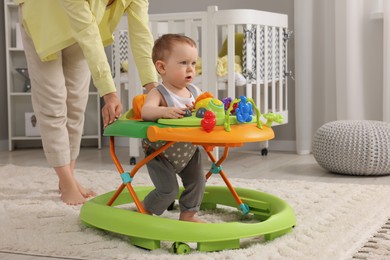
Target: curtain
339, 62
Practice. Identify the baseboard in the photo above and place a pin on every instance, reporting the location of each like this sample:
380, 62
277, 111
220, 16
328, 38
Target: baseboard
282, 145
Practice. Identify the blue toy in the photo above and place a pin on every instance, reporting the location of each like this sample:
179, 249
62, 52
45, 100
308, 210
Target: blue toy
244, 110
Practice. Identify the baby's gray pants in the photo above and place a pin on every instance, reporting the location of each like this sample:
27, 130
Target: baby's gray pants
163, 176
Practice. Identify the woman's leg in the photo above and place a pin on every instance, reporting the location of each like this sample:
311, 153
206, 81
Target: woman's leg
77, 81
48, 93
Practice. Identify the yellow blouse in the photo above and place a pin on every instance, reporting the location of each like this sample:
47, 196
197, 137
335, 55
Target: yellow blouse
56, 24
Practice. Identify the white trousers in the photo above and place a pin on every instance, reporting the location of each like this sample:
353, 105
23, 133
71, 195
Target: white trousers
59, 92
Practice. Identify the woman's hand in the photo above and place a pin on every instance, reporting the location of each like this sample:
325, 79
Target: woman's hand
112, 108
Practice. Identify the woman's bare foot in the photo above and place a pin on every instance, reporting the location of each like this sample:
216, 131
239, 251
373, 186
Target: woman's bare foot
70, 193
190, 216
87, 193
69, 188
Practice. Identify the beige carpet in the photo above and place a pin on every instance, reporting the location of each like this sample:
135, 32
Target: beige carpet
334, 221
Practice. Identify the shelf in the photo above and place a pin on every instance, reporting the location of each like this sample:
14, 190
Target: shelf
12, 4
89, 137
21, 138
19, 100
13, 94
14, 49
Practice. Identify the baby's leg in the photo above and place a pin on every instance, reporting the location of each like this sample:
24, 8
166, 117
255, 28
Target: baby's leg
163, 176
194, 183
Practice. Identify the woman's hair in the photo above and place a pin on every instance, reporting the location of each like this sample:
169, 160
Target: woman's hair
163, 45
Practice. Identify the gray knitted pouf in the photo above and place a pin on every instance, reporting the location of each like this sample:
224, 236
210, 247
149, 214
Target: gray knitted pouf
355, 147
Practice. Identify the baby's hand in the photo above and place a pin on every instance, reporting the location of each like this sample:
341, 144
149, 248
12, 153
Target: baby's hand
173, 112
191, 107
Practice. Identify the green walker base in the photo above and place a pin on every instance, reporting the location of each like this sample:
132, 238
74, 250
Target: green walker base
275, 216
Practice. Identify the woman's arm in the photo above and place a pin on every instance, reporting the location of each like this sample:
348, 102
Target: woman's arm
85, 31
141, 41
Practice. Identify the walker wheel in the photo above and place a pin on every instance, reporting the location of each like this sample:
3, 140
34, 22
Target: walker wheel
133, 161
264, 152
180, 248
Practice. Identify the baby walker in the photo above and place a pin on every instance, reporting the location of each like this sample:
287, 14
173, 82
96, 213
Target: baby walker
214, 123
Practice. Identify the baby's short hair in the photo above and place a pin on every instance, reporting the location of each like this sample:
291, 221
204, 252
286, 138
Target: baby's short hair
163, 45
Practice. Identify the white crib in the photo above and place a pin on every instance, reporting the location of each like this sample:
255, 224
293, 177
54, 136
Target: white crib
259, 37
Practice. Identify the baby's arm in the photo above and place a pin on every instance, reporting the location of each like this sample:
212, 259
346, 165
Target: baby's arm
155, 108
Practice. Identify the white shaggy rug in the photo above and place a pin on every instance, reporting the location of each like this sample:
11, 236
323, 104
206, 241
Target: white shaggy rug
333, 220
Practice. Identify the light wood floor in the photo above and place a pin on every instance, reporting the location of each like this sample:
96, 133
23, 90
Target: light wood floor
239, 164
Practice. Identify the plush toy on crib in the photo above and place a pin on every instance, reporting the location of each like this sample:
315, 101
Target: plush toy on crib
222, 62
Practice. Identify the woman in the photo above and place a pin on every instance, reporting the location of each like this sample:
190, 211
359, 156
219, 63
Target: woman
64, 45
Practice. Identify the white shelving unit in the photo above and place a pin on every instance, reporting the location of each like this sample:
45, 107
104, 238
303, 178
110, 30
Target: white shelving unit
19, 100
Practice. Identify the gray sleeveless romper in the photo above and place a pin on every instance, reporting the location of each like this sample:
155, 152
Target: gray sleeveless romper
183, 159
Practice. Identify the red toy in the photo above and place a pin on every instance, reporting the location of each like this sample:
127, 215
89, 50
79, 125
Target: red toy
209, 121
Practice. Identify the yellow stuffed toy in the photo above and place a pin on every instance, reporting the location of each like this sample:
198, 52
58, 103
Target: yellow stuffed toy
222, 65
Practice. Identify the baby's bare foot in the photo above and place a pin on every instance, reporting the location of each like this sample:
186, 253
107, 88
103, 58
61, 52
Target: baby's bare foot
190, 216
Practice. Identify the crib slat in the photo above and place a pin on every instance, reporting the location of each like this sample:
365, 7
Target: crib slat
204, 51
266, 68
231, 58
285, 93
273, 95
258, 79
249, 59
259, 102
280, 85
212, 43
